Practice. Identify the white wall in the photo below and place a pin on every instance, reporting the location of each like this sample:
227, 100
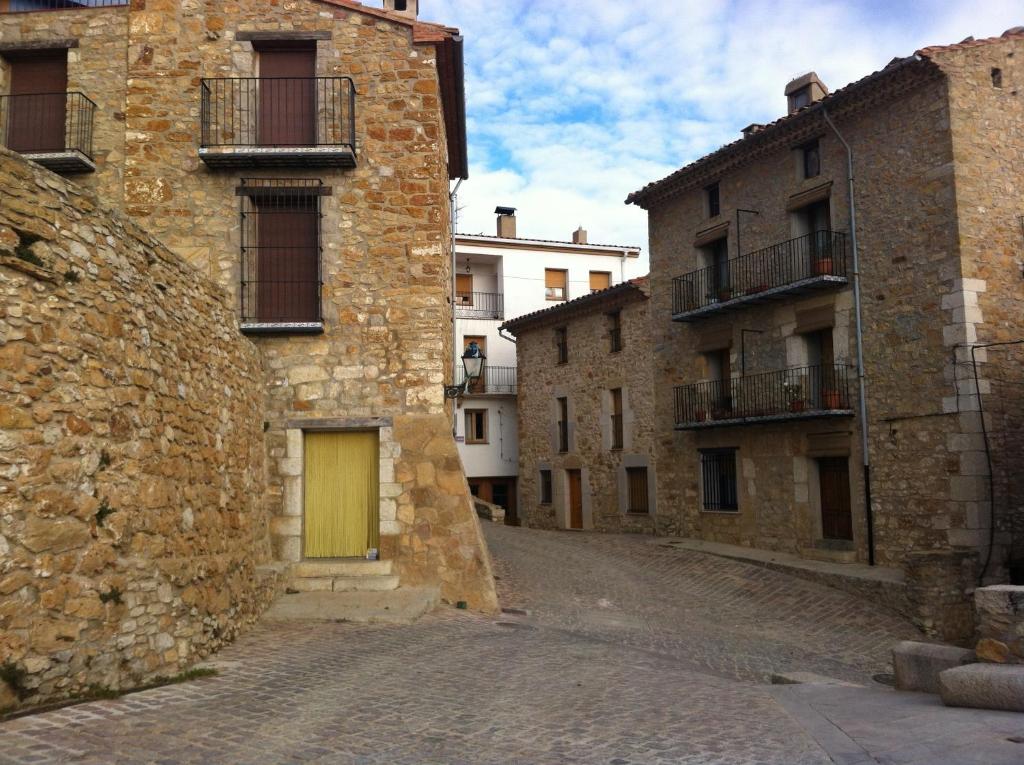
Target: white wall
520, 272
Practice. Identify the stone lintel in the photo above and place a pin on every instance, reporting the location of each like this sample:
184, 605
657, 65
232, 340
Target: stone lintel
246, 35
341, 423
36, 45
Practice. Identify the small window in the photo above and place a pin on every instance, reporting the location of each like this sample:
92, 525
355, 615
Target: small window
401, 5
636, 483
800, 99
811, 159
600, 280
718, 479
562, 344
563, 425
556, 284
545, 487
615, 331
476, 426
713, 200
616, 394
997, 77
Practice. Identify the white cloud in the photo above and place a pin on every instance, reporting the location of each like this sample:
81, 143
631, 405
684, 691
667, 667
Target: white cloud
574, 104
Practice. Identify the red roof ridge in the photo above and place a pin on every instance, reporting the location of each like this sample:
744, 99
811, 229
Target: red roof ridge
1014, 33
422, 31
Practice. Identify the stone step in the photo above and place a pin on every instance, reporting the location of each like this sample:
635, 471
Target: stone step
371, 583
402, 606
340, 567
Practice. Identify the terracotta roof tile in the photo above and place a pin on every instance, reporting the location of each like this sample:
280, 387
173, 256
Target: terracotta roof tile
582, 304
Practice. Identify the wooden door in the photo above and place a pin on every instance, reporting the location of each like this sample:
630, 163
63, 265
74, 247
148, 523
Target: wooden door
464, 289
287, 88
834, 482
38, 103
288, 273
575, 499
342, 494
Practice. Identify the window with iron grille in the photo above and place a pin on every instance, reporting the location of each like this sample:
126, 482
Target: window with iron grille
281, 250
718, 479
617, 429
714, 201
812, 159
545, 487
615, 331
562, 344
563, 425
636, 484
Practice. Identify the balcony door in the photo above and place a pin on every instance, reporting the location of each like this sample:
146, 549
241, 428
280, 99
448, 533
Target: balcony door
38, 103
821, 363
287, 94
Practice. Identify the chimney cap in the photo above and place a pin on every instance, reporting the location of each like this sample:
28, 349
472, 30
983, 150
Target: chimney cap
753, 127
505, 210
803, 81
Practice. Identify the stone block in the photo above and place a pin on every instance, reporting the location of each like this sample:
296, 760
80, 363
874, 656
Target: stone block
1000, 612
983, 686
917, 665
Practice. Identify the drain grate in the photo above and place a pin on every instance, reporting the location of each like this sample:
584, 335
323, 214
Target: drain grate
885, 678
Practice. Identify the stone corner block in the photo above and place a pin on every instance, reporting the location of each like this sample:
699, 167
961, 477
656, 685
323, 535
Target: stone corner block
917, 665
983, 686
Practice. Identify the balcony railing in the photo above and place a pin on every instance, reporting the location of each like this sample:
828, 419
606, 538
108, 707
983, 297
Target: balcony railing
496, 381
814, 260
277, 122
23, 6
785, 394
53, 129
479, 305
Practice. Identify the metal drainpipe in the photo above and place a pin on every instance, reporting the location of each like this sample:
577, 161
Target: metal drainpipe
455, 326
861, 380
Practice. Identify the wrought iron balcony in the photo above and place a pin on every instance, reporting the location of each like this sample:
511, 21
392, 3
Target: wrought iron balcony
786, 394
24, 6
479, 305
278, 122
496, 381
53, 129
808, 262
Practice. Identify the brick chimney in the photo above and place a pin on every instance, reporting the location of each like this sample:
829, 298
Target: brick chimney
579, 236
408, 8
506, 222
804, 91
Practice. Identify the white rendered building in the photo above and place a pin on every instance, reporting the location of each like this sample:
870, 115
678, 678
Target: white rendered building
499, 278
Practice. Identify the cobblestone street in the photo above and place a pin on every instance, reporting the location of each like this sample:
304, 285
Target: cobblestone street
630, 653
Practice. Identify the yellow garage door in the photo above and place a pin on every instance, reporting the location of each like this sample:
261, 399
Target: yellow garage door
342, 494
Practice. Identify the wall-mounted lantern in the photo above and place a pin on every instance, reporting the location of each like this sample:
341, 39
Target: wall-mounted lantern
473, 365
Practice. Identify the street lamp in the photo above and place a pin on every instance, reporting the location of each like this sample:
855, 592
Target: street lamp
473, 366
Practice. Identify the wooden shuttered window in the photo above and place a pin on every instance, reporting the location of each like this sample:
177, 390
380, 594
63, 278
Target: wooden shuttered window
464, 289
476, 426
617, 429
545, 487
600, 280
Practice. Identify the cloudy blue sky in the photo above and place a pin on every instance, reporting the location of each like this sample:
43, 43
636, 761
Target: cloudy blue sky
572, 104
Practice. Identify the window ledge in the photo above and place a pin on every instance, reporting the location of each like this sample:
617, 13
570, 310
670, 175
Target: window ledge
721, 512
283, 328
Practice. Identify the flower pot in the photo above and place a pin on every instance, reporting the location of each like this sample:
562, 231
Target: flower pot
700, 415
822, 266
724, 295
758, 288
796, 406
831, 399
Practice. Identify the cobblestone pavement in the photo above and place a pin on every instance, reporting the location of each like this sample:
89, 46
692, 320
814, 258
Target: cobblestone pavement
631, 653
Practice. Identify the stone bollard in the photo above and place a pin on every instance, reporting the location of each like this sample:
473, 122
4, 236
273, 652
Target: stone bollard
1000, 612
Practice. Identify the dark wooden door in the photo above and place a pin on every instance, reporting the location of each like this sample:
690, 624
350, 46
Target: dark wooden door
288, 288
287, 96
575, 499
38, 102
834, 481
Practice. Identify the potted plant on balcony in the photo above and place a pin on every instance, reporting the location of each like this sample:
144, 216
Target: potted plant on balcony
724, 293
822, 265
794, 396
756, 288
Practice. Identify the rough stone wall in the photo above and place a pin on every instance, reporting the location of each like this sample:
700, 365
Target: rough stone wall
97, 68
131, 452
908, 245
592, 370
987, 123
386, 346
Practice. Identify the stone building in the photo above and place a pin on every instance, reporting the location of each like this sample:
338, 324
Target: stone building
586, 408
500, 277
761, 427
298, 156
